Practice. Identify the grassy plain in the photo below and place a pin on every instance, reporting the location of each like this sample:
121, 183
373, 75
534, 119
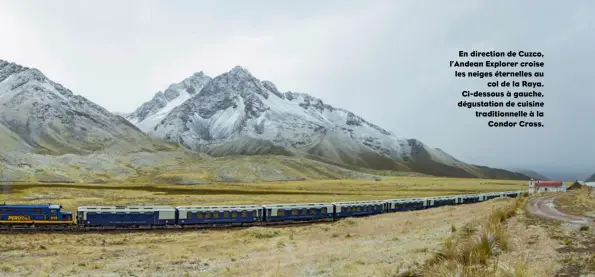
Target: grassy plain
579, 202
128, 193
382, 245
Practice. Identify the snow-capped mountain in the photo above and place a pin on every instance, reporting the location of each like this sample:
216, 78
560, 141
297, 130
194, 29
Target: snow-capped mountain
236, 113
149, 114
37, 114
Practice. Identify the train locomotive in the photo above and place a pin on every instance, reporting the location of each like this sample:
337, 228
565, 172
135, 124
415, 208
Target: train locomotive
34, 215
154, 217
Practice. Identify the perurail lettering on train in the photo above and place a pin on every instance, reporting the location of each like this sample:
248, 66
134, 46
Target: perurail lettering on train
18, 218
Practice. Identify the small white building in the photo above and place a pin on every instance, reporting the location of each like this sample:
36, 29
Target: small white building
546, 186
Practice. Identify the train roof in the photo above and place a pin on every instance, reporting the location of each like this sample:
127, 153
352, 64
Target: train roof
231, 207
406, 199
297, 205
359, 202
125, 208
31, 206
443, 197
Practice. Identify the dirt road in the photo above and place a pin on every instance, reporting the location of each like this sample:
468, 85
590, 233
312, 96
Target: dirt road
544, 206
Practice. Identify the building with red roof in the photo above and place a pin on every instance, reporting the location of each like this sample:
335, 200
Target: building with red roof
546, 186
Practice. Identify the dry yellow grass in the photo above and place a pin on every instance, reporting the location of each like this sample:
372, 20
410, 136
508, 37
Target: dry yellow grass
374, 246
381, 245
73, 195
497, 245
578, 202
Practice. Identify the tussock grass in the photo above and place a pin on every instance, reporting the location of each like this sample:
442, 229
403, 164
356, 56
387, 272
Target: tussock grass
520, 269
382, 245
581, 203
262, 233
473, 250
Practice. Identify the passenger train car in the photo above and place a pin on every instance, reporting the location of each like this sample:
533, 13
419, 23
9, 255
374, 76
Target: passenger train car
200, 215
358, 208
131, 217
298, 212
96, 216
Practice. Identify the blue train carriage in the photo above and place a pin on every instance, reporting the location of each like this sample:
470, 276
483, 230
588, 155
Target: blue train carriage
196, 215
469, 198
359, 208
27, 214
305, 211
491, 195
441, 201
123, 216
407, 204
512, 194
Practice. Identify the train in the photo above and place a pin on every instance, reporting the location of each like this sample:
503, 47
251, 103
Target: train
51, 216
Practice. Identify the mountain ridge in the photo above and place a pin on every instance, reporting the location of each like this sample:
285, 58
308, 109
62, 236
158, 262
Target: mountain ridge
44, 128
532, 173
44, 116
236, 113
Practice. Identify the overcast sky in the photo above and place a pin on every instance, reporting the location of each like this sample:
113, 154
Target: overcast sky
387, 61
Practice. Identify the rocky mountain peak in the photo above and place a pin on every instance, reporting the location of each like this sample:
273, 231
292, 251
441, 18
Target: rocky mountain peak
46, 115
151, 112
240, 72
236, 113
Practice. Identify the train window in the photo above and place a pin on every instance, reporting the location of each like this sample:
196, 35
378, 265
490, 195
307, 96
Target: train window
226, 214
359, 209
304, 212
244, 214
254, 213
323, 210
199, 215
281, 212
215, 214
312, 211
294, 212
207, 215
234, 214
189, 215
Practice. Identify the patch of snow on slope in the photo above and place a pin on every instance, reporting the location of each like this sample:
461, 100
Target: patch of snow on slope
442, 157
150, 122
224, 122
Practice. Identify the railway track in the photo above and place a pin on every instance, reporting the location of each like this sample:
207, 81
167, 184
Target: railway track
32, 229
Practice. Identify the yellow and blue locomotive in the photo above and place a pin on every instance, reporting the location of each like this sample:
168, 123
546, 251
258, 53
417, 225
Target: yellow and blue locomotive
48, 214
